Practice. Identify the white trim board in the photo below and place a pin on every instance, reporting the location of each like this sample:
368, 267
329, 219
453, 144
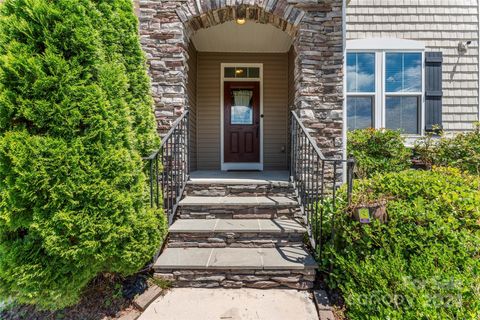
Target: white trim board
344, 104
385, 44
224, 166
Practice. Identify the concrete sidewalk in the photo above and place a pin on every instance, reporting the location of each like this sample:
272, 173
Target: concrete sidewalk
232, 304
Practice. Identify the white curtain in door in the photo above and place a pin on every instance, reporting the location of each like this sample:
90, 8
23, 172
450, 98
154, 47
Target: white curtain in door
242, 97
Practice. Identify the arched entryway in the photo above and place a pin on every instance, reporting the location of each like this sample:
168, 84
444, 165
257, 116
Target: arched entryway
295, 47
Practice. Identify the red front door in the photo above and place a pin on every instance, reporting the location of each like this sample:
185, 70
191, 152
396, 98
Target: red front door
241, 122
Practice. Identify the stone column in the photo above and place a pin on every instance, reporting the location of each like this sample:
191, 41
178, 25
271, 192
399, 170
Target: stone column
319, 75
165, 45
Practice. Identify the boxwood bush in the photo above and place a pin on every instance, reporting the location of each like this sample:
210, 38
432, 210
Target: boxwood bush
75, 120
424, 262
378, 151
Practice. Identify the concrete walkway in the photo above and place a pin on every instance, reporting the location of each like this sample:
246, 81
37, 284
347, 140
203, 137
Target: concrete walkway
232, 304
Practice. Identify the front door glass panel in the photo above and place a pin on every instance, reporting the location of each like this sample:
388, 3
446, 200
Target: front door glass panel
241, 108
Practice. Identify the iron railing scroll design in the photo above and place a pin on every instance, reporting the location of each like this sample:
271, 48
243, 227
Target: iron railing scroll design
316, 180
168, 167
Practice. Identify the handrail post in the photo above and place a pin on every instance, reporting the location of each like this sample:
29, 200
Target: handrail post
291, 147
188, 146
151, 182
157, 182
350, 169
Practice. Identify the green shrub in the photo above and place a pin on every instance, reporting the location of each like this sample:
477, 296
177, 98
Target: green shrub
423, 263
425, 148
378, 151
461, 151
75, 119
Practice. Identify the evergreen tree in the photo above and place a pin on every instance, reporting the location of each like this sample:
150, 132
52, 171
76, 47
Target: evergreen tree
75, 119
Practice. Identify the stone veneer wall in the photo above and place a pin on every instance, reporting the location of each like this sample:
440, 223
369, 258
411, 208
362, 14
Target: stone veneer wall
316, 26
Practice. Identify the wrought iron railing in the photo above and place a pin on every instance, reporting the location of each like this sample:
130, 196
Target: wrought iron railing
316, 180
168, 167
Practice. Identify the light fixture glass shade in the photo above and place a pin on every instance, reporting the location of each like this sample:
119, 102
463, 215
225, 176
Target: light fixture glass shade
241, 21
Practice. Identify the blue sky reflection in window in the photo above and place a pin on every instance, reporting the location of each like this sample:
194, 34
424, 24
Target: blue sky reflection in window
403, 72
361, 72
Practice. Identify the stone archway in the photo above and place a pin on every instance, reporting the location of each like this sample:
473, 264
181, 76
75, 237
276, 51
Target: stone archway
316, 27
284, 17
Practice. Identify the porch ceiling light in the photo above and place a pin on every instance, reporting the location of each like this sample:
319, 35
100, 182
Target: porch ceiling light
241, 14
240, 21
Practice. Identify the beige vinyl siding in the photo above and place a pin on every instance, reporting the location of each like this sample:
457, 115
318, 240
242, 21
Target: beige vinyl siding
275, 102
192, 102
440, 24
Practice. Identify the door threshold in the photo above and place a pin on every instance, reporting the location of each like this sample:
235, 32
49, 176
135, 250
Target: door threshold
242, 166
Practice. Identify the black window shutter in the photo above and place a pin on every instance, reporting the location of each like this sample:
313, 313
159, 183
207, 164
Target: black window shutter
433, 90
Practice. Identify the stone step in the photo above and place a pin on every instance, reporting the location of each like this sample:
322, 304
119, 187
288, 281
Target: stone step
220, 233
291, 267
219, 189
238, 201
240, 177
246, 183
233, 207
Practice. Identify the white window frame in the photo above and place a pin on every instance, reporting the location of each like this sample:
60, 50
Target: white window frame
381, 47
373, 94
240, 165
421, 94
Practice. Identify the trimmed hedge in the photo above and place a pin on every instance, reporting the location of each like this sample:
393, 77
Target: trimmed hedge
75, 119
378, 151
423, 263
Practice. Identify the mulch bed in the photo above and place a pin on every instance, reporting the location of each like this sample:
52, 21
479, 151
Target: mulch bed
106, 297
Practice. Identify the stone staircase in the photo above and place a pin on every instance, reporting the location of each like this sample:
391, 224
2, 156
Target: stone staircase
237, 230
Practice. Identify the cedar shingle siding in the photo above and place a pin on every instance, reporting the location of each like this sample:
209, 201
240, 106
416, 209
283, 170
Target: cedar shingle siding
440, 24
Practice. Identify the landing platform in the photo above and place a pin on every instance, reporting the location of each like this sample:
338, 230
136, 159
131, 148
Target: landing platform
239, 177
